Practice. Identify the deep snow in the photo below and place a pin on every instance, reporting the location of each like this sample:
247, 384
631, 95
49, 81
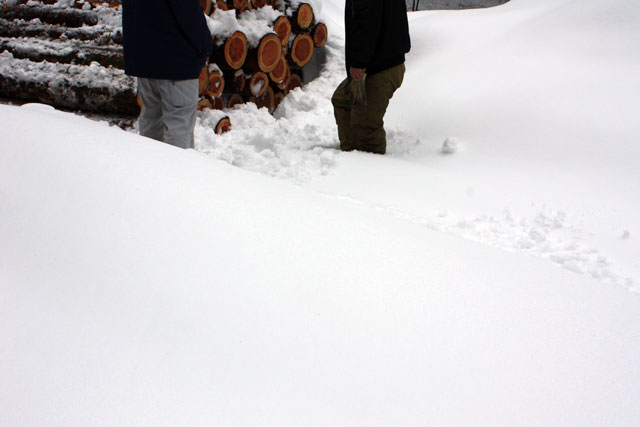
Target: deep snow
146, 285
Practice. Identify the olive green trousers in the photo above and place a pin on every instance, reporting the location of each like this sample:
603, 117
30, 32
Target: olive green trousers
361, 127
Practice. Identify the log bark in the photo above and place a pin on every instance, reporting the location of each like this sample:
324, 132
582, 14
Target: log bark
295, 81
206, 6
60, 86
68, 17
266, 100
235, 80
232, 54
64, 52
234, 99
98, 35
266, 56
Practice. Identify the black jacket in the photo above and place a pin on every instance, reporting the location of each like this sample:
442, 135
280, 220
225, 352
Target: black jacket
377, 34
165, 39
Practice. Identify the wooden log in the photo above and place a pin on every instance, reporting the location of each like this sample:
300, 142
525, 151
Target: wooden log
205, 103
257, 85
216, 82
295, 81
219, 103
266, 100
266, 56
282, 27
206, 6
278, 98
223, 126
301, 50
69, 86
257, 4
238, 5
319, 34
99, 35
50, 15
235, 80
280, 72
302, 16
285, 82
234, 99
221, 5
203, 80
232, 54
63, 52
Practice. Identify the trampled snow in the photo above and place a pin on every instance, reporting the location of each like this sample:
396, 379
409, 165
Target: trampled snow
479, 274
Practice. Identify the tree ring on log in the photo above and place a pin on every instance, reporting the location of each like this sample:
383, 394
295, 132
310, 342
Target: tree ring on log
282, 27
235, 50
280, 72
269, 52
223, 125
234, 99
215, 86
320, 34
257, 4
304, 16
302, 49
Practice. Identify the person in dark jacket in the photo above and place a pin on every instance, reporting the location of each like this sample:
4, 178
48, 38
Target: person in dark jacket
166, 44
377, 39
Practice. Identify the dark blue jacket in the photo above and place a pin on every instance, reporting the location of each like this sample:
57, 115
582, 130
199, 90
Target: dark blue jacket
165, 39
377, 34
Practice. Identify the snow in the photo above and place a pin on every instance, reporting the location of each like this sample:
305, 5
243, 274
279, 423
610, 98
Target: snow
484, 272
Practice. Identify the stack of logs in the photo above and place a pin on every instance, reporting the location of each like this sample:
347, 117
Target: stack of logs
247, 65
261, 67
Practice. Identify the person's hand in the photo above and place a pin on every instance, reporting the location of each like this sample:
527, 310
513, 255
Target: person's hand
356, 73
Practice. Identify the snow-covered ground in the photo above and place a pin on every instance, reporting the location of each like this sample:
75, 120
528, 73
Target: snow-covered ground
484, 272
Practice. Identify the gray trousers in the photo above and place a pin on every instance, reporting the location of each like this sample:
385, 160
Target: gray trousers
168, 110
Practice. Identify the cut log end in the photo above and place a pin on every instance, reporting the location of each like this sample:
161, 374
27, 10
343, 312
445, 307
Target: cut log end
301, 50
235, 50
234, 99
216, 82
269, 52
258, 84
304, 16
282, 27
280, 72
295, 81
320, 35
223, 125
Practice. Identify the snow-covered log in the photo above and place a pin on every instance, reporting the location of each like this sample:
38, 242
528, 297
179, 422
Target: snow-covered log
67, 52
216, 81
217, 119
100, 35
51, 15
257, 85
76, 87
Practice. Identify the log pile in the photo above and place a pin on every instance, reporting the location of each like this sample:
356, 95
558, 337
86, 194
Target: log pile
261, 48
63, 54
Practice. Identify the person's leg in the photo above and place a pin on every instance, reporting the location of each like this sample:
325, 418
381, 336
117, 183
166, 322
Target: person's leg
341, 101
150, 120
367, 121
179, 102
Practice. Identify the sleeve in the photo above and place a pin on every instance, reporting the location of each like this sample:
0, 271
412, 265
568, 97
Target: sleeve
190, 18
366, 23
